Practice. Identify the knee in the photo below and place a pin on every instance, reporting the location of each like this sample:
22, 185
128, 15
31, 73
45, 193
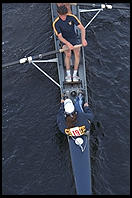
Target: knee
77, 53
68, 54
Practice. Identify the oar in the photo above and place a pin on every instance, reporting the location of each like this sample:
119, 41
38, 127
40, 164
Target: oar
39, 56
107, 6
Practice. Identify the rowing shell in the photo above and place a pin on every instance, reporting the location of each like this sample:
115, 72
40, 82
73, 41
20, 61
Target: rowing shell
79, 147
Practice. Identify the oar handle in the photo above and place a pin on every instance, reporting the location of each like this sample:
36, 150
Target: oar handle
73, 4
76, 46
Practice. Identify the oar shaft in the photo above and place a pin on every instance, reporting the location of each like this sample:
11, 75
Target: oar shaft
45, 54
122, 8
10, 64
24, 60
97, 5
40, 56
54, 52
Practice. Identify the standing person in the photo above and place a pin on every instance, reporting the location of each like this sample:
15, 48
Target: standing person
78, 116
64, 28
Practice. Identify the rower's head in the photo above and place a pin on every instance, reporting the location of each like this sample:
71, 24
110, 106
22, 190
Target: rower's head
62, 12
70, 113
69, 106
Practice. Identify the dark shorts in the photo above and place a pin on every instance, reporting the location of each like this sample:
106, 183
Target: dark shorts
73, 42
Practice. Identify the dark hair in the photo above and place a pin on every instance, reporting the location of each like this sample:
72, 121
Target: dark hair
62, 10
71, 121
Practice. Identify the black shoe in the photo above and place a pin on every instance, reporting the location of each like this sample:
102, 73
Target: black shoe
73, 93
65, 97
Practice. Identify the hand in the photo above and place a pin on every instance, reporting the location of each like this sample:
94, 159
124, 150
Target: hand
84, 42
86, 104
62, 100
70, 46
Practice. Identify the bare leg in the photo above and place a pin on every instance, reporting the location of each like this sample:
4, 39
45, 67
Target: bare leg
77, 58
67, 57
76, 64
67, 64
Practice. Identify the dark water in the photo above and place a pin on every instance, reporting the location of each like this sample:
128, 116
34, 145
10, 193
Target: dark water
35, 156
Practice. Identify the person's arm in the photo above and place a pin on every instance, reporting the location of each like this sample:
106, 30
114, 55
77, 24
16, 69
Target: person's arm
58, 33
88, 112
69, 45
81, 27
78, 23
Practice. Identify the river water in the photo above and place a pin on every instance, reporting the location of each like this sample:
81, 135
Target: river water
35, 155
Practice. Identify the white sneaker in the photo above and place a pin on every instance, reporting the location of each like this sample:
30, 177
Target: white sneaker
76, 78
68, 79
